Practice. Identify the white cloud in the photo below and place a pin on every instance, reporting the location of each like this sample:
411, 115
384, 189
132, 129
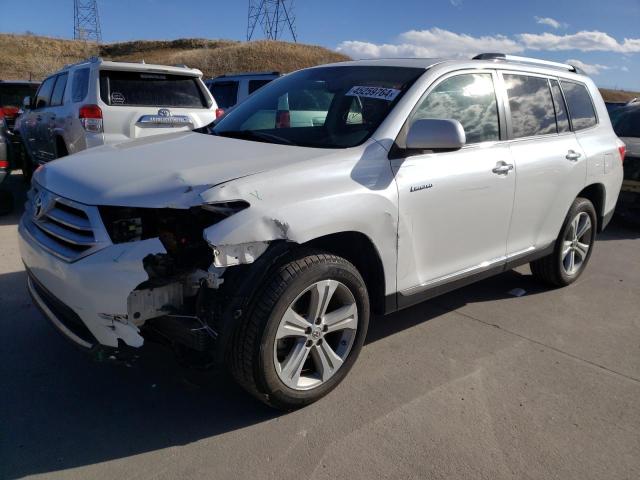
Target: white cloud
586, 41
588, 68
435, 42
550, 22
455, 3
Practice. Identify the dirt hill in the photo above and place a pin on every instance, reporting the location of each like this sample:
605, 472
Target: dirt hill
31, 56
25, 56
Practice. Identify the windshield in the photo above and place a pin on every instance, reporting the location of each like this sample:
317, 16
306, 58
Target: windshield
626, 122
11, 95
327, 107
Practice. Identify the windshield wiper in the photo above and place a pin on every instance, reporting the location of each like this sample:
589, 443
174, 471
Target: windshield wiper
254, 135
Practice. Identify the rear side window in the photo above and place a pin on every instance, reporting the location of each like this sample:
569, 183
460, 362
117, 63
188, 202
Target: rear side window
44, 93
580, 105
531, 104
468, 98
119, 88
561, 110
80, 85
225, 93
58, 90
256, 84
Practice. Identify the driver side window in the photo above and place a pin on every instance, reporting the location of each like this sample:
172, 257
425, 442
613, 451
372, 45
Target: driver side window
470, 99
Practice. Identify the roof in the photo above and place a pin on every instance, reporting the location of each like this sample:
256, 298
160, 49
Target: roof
20, 82
248, 74
135, 66
487, 60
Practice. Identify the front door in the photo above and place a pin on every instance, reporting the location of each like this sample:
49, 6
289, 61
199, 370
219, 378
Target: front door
455, 207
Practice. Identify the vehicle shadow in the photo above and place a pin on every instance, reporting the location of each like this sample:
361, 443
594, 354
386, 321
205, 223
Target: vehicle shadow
60, 410
620, 229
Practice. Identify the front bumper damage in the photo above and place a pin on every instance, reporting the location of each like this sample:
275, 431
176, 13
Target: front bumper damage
109, 299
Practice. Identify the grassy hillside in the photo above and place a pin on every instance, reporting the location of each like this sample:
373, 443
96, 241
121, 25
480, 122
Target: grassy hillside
30, 56
25, 56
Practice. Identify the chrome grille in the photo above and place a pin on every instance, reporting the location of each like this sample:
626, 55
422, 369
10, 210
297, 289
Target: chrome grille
67, 229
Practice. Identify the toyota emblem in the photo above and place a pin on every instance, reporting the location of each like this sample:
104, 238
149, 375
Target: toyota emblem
164, 112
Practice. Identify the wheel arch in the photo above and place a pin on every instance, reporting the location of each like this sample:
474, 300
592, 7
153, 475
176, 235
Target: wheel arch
596, 194
359, 249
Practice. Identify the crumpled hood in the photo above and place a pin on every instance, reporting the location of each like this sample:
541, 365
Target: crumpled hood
163, 171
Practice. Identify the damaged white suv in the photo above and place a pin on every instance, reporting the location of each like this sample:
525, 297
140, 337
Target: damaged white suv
265, 241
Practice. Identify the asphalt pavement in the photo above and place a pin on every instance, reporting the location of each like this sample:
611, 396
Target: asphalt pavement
476, 384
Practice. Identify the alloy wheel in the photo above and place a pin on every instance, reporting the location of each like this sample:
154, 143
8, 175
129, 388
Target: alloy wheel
576, 244
315, 335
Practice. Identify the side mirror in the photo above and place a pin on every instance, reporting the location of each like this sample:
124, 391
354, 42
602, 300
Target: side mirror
26, 103
436, 134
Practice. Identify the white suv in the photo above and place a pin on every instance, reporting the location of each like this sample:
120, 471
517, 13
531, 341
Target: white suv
97, 102
265, 244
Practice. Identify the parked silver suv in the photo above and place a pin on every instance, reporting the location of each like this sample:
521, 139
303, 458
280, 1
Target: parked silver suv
99, 102
265, 243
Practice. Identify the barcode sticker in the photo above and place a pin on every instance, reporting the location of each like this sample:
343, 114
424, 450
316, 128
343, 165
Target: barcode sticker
380, 93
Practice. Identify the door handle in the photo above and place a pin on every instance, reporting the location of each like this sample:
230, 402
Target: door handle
502, 168
573, 155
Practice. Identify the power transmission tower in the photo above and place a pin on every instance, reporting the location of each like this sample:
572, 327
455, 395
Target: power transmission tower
86, 21
275, 17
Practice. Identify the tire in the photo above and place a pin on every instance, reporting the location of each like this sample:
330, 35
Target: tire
266, 343
6, 202
61, 148
557, 268
26, 164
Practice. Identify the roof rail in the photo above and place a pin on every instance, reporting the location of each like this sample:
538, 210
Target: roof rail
532, 61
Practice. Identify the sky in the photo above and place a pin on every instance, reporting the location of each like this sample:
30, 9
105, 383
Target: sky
603, 37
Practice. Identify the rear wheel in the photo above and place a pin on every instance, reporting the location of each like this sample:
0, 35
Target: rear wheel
304, 333
573, 247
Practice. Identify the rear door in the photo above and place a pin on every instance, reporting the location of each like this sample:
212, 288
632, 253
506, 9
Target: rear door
53, 119
36, 125
142, 103
550, 165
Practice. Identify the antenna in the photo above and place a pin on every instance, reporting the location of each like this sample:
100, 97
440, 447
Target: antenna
86, 21
275, 17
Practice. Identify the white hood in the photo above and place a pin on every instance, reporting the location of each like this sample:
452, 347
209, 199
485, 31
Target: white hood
164, 171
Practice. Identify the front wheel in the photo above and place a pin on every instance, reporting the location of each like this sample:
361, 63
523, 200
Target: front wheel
304, 333
573, 247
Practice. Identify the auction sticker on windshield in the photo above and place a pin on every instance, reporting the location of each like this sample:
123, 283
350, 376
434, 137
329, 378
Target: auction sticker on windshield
380, 93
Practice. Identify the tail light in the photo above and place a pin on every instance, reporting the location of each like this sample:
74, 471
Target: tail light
622, 149
283, 119
8, 112
4, 164
91, 118
219, 112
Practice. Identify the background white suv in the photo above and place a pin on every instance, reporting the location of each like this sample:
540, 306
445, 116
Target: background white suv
100, 102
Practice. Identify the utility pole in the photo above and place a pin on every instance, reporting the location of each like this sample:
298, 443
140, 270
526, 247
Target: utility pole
86, 21
275, 18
